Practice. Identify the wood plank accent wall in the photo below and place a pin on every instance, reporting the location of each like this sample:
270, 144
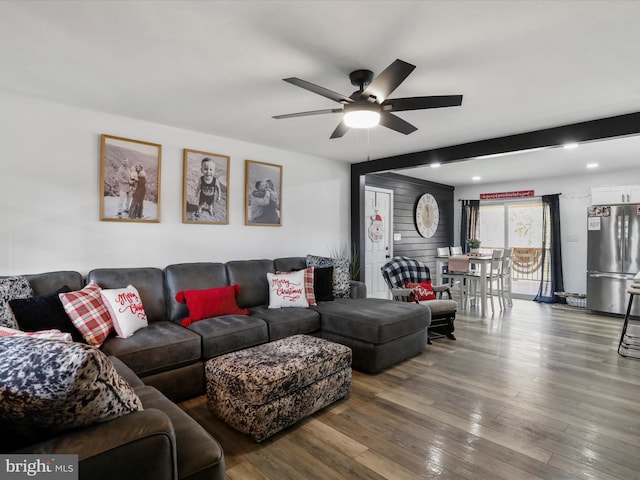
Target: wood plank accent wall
406, 193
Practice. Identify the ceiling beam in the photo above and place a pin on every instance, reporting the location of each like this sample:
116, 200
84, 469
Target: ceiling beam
619, 125
603, 128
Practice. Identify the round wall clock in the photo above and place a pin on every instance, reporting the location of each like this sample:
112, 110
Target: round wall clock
427, 215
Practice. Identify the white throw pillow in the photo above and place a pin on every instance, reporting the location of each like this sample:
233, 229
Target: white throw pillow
287, 290
125, 309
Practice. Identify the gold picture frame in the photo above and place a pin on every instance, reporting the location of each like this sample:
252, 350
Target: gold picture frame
129, 180
263, 194
205, 188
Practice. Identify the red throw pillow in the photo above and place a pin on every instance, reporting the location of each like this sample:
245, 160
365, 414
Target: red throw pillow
422, 291
210, 302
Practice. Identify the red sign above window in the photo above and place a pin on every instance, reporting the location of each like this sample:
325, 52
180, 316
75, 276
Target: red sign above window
501, 195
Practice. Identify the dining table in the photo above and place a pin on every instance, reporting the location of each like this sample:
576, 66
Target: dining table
483, 262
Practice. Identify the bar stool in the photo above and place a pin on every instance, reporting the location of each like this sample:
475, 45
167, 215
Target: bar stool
630, 337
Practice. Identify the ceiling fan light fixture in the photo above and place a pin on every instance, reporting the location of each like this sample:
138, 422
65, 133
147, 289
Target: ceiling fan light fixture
361, 115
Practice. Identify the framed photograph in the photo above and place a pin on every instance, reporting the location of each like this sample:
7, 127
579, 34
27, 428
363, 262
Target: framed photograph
129, 180
205, 190
263, 194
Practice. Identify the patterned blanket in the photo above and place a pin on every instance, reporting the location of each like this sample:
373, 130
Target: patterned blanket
400, 269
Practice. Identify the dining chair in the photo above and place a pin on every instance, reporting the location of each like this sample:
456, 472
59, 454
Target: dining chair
461, 278
456, 250
446, 279
506, 276
492, 280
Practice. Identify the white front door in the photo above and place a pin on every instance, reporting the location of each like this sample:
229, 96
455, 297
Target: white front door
378, 220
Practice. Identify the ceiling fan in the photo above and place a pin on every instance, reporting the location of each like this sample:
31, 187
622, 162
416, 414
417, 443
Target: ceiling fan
369, 105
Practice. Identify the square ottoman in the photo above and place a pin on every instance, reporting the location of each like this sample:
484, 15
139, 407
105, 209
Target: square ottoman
261, 390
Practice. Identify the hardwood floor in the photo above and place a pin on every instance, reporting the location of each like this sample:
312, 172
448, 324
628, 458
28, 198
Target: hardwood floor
537, 392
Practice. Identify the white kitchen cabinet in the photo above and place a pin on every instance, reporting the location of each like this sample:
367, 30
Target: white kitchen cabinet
617, 194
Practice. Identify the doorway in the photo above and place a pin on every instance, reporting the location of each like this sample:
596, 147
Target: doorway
516, 225
378, 225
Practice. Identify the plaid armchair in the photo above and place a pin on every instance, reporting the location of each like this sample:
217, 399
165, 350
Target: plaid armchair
399, 270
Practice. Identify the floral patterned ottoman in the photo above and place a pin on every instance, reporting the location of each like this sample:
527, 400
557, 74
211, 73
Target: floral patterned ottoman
263, 389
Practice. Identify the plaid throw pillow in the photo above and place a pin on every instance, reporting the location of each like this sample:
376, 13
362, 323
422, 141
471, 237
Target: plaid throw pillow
88, 313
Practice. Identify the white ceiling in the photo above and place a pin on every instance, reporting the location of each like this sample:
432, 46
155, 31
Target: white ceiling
217, 67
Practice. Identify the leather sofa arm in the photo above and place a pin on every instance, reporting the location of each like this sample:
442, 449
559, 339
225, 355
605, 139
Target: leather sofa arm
138, 445
358, 289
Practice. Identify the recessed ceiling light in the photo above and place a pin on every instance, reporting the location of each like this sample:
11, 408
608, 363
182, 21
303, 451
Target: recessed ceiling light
570, 145
435, 165
592, 165
476, 178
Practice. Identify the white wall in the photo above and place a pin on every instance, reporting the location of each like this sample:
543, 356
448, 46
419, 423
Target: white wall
575, 198
50, 184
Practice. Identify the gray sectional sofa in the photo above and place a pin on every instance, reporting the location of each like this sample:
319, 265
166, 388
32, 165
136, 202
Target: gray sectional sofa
165, 361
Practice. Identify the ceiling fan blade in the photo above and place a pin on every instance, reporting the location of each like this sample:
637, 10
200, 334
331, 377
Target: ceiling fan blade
340, 130
308, 114
325, 92
393, 122
420, 103
388, 80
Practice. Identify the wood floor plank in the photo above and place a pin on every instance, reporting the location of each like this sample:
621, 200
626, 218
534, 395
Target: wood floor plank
535, 392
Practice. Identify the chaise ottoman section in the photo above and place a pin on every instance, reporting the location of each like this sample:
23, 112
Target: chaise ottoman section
380, 332
262, 390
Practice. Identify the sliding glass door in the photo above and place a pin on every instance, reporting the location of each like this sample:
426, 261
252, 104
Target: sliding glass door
517, 225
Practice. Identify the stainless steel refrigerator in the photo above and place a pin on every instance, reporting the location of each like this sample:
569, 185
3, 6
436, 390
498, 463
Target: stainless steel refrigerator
613, 256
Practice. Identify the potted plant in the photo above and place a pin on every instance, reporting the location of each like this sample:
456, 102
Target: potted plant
474, 245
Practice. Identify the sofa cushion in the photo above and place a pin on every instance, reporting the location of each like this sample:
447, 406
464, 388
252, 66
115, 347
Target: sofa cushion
288, 264
228, 333
125, 309
191, 276
148, 281
88, 313
210, 302
159, 347
289, 321
287, 290
10, 288
372, 320
251, 275
44, 312
49, 387
49, 282
341, 275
